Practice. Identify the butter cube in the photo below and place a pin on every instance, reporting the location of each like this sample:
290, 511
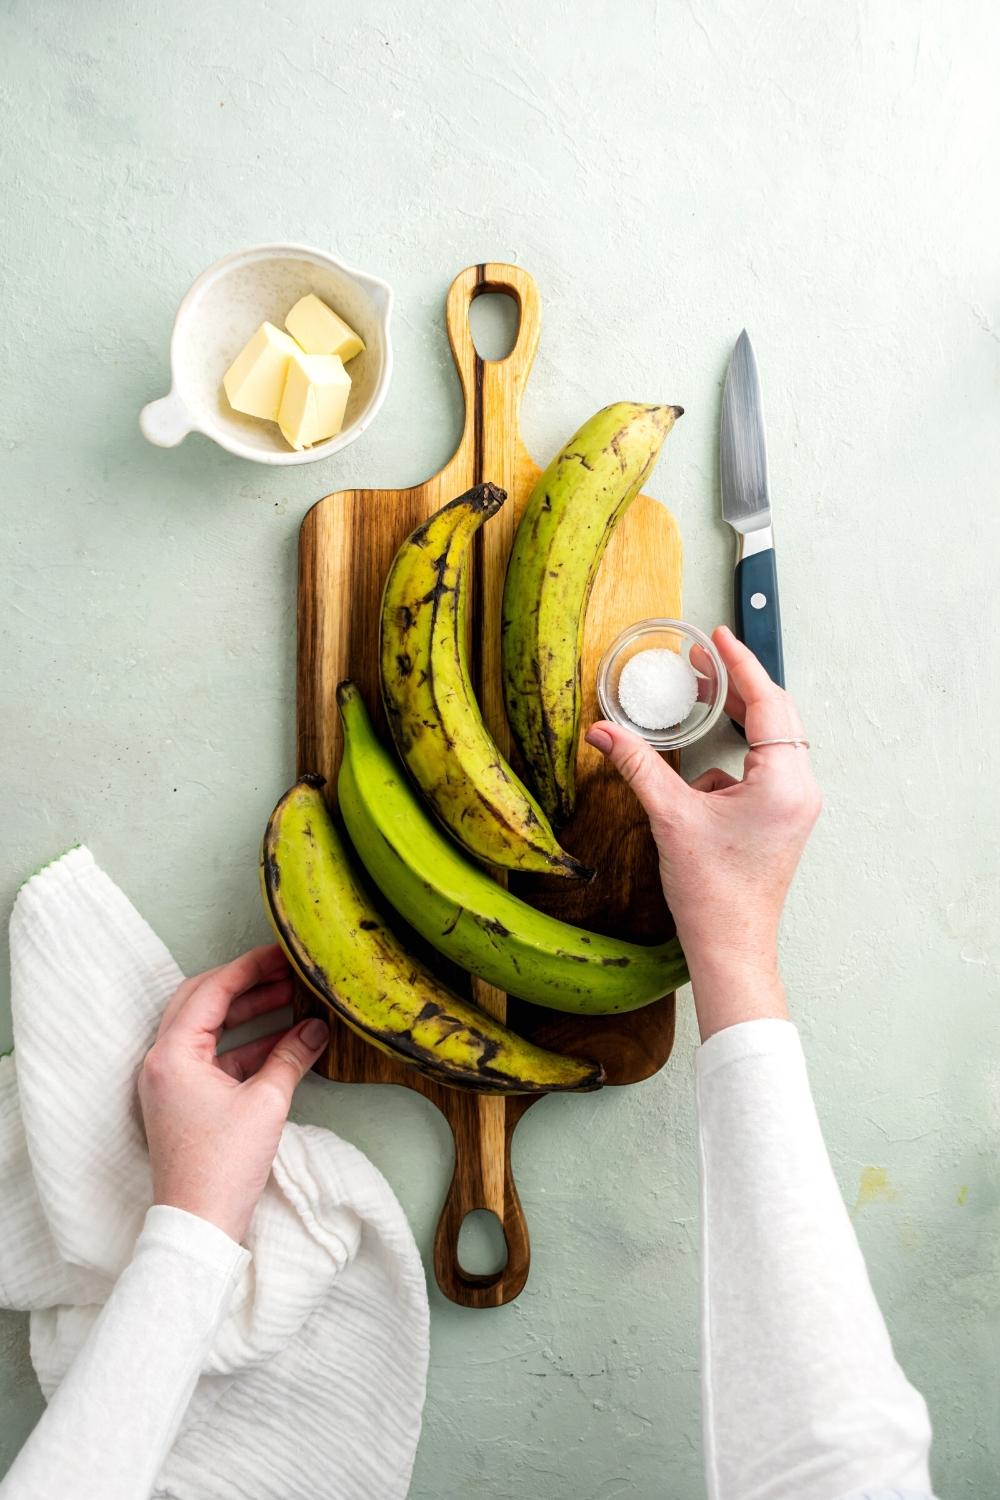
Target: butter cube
255, 381
315, 398
320, 331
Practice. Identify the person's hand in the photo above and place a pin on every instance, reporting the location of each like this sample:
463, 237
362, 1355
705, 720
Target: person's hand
213, 1123
728, 849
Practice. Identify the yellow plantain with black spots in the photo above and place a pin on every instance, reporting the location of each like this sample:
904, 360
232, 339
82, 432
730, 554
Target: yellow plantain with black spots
341, 948
560, 540
431, 706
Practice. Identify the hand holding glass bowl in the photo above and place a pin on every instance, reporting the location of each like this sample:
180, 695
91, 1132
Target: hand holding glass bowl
695, 649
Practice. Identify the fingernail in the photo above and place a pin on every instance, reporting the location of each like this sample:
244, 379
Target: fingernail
315, 1034
600, 739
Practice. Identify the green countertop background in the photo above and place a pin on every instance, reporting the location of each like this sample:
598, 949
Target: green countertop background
668, 172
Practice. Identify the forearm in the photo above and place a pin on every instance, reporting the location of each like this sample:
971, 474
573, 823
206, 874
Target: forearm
802, 1394
111, 1423
728, 990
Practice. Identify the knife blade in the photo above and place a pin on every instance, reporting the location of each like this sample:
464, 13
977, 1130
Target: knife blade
746, 506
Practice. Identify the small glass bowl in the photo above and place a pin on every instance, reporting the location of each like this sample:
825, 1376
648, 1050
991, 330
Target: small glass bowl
696, 648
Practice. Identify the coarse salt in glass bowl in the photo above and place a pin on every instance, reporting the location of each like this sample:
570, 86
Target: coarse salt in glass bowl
694, 647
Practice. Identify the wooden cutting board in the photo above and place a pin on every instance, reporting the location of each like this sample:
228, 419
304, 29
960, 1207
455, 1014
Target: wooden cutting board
346, 545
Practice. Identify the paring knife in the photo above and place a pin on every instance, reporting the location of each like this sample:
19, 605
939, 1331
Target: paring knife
746, 505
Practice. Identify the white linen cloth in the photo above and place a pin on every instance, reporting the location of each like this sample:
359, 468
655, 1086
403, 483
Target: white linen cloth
802, 1398
304, 1354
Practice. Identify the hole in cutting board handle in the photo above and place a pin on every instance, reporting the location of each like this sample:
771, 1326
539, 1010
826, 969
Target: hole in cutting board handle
482, 1244
494, 321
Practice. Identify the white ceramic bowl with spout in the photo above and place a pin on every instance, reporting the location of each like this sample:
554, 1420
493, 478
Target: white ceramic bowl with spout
225, 307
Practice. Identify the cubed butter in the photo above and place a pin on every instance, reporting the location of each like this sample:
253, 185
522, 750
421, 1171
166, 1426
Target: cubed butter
315, 398
319, 330
255, 381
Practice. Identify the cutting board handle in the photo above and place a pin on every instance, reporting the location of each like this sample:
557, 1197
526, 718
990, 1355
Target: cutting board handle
492, 387
483, 1179
491, 451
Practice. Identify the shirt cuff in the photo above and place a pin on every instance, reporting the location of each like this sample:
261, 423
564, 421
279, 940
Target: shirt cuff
766, 1037
196, 1239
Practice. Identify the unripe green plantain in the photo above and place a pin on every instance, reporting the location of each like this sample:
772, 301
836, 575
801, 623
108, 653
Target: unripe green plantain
432, 710
557, 550
341, 948
466, 915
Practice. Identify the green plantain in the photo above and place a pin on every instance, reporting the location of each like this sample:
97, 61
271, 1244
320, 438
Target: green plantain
433, 714
462, 912
557, 550
343, 951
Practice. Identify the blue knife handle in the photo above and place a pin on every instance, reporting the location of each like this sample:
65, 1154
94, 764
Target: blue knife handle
757, 615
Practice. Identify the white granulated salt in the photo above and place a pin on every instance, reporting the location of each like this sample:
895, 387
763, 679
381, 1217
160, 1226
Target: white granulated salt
657, 688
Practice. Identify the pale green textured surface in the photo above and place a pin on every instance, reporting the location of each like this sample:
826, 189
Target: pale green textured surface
668, 172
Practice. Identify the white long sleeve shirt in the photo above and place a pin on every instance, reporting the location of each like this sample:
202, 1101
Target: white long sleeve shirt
802, 1398
112, 1421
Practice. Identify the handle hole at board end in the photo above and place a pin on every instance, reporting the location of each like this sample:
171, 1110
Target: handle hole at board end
494, 322
482, 1245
